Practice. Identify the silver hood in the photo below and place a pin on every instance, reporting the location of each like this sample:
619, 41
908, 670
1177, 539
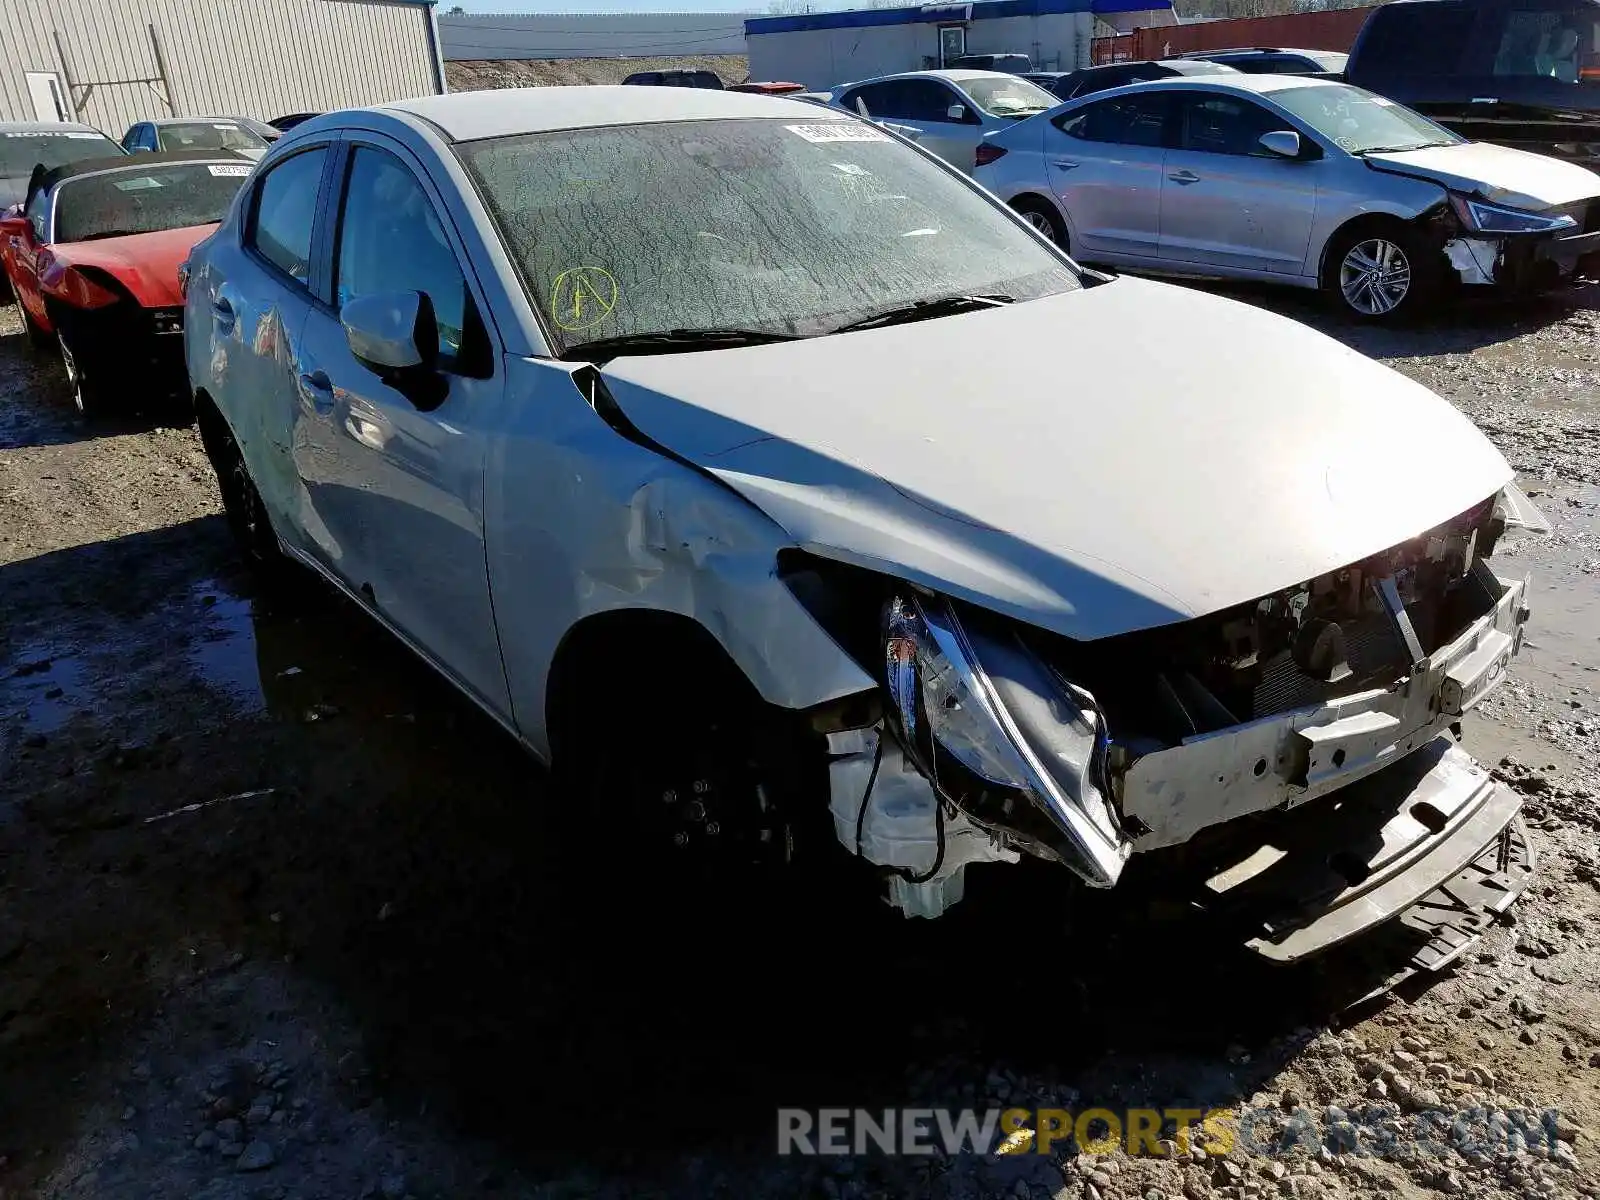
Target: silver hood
1092, 463
1498, 174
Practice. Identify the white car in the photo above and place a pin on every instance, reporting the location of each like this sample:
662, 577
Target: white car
196, 133
951, 111
1306, 182
795, 499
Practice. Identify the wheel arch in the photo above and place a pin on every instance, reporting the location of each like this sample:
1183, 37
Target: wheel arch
608, 650
1374, 220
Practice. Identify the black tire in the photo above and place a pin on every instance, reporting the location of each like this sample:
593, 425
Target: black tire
39, 338
690, 772
1382, 271
87, 378
1041, 214
241, 502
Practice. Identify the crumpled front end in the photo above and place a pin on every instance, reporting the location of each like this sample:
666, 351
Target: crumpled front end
1212, 747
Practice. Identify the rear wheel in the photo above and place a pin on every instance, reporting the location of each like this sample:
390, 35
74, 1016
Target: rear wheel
1382, 271
241, 502
1043, 218
39, 338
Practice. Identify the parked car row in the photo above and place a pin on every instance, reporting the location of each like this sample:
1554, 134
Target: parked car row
794, 499
1194, 167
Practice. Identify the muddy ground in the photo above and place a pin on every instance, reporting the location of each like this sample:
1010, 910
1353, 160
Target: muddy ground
280, 917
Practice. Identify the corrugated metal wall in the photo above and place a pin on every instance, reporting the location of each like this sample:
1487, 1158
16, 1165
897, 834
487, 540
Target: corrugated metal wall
255, 58
589, 35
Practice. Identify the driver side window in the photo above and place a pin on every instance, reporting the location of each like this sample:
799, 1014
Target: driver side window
390, 240
1214, 124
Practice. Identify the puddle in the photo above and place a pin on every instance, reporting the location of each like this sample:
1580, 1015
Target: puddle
224, 655
43, 688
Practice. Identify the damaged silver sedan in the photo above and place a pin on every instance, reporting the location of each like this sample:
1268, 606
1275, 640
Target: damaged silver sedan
794, 498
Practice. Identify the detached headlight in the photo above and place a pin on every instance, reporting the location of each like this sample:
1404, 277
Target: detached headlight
1482, 217
1006, 718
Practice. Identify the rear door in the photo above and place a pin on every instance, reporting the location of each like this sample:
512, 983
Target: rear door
394, 481
252, 316
1105, 162
1226, 202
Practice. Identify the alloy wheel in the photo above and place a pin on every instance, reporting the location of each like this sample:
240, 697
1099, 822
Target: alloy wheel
1041, 223
1375, 277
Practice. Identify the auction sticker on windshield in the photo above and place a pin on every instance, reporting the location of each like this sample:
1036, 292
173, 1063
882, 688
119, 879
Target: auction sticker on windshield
838, 131
229, 170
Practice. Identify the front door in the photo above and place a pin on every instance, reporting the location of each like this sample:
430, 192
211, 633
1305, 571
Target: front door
925, 105
1226, 202
45, 92
1105, 164
394, 480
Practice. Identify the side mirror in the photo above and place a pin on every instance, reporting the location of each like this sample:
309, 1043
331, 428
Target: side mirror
956, 112
395, 336
1285, 143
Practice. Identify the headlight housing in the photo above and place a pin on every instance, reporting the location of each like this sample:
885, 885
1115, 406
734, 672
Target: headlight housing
1482, 217
1004, 716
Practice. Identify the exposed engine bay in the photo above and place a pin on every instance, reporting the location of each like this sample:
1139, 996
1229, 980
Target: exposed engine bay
1000, 739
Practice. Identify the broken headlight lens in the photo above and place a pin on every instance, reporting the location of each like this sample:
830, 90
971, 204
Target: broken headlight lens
980, 697
1482, 217
926, 687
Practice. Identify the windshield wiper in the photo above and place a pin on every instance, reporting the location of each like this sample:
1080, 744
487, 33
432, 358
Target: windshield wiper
923, 310
668, 341
1402, 149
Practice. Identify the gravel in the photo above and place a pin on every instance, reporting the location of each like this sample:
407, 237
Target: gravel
247, 955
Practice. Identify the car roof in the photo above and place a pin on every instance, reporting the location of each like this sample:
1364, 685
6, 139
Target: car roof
948, 75
1258, 50
46, 127
197, 120
128, 162
468, 116
1240, 82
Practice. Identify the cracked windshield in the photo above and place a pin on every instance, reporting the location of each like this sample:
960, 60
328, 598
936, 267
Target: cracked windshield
776, 227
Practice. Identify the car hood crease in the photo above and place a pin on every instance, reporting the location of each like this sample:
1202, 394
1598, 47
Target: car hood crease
1093, 463
1498, 174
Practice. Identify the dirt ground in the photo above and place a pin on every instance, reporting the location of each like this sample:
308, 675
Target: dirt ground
280, 917
473, 75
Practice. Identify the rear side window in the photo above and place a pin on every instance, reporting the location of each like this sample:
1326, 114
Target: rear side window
1415, 39
1124, 120
285, 211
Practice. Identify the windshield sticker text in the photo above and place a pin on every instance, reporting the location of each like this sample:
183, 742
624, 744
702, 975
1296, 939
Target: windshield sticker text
837, 131
229, 170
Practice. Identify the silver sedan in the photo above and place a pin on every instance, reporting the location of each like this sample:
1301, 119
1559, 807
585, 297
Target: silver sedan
1306, 182
948, 112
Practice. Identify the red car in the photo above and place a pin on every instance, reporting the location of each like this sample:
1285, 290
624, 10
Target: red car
94, 257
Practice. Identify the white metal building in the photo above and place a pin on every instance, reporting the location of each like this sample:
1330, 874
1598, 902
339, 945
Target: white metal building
824, 49
589, 35
110, 63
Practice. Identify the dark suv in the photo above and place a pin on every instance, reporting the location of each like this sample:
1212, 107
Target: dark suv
1523, 73
688, 79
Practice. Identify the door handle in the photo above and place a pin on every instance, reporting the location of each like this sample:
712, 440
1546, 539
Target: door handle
223, 311
1066, 164
316, 387
1184, 177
